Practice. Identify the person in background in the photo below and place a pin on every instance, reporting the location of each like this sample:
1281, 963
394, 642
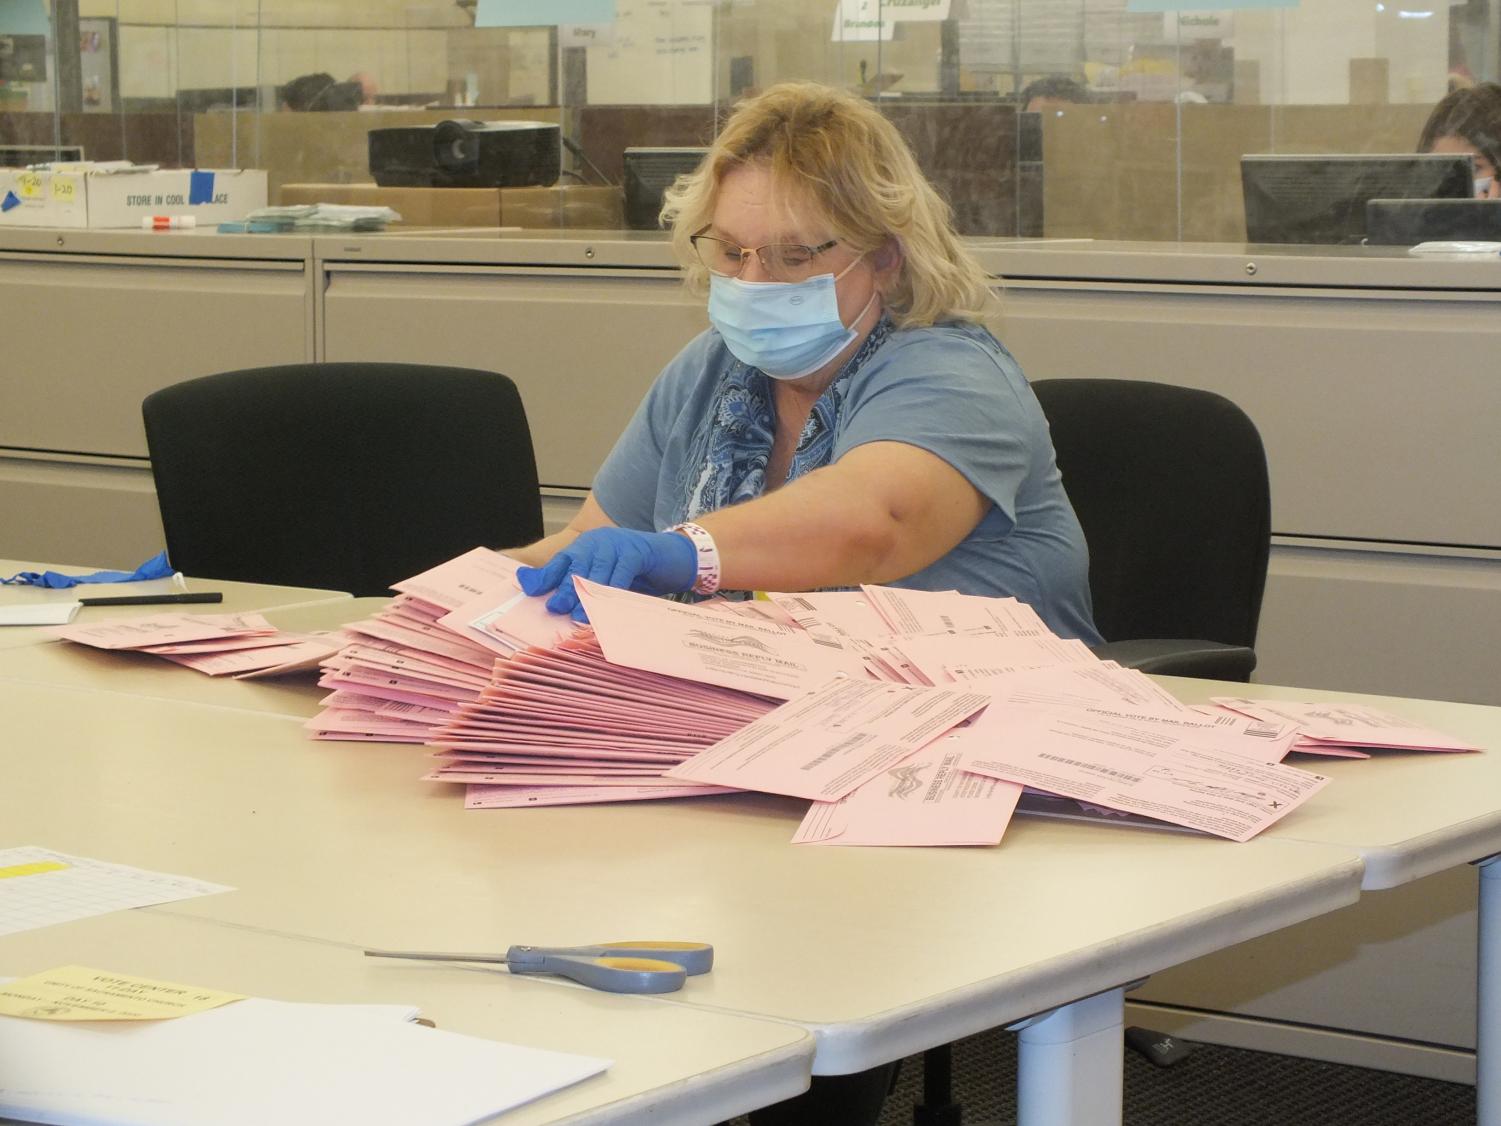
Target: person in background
321, 92
367, 85
1468, 120
1052, 92
846, 418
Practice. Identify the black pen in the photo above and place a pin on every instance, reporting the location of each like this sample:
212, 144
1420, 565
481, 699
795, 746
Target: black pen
153, 599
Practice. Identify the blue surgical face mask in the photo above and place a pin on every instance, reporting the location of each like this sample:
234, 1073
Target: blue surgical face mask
786, 329
1482, 185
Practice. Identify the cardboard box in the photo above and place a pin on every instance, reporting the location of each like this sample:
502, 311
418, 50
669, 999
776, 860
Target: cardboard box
577, 207
123, 199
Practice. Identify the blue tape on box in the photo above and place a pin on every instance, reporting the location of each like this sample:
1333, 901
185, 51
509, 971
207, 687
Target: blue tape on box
200, 187
9, 201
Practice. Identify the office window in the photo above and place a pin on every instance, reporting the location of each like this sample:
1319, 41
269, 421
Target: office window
1104, 119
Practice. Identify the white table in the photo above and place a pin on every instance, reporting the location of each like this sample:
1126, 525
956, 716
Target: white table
880, 952
1410, 815
238, 597
673, 1065
65, 664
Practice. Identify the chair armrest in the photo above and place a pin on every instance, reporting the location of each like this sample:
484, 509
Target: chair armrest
1171, 656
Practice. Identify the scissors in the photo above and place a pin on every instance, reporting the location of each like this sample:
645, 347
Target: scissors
642, 966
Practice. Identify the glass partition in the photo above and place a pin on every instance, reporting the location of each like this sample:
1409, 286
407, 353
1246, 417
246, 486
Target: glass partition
1102, 119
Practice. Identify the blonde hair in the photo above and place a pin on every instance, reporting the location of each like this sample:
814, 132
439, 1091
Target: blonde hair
835, 152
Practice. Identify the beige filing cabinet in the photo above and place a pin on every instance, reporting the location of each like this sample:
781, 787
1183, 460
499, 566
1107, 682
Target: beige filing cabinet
93, 322
1372, 379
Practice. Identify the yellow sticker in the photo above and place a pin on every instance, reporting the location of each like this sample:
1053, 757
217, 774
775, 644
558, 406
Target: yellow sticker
35, 868
29, 185
63, 188
80, 993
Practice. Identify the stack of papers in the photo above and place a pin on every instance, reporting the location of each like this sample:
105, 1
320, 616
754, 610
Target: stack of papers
903, 717
238, 645
257, 1061
411, 667
321, 216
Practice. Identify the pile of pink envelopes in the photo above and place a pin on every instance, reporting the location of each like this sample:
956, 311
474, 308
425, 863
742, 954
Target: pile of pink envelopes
243, 646
903, 717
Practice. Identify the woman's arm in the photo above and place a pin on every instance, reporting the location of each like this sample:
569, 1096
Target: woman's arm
590, 515
882, 511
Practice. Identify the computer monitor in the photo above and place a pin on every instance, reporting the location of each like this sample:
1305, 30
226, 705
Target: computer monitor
648, 173
1322, 199
1406, 222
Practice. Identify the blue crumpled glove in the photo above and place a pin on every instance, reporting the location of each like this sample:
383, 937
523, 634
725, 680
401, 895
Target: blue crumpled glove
156, 567
646, 562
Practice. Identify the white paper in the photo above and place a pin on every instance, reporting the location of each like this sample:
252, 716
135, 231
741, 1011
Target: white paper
39, 614
84, 888
257, 1061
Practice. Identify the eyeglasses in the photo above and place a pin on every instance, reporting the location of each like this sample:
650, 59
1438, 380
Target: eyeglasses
782, 261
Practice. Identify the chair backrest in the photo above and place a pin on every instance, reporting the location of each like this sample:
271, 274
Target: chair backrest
1170, 485
340, 476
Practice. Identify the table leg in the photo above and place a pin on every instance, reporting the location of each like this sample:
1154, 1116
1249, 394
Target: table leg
1070, 1067
1488, 998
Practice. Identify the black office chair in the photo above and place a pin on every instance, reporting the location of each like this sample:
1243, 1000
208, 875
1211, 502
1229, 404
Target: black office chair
340, 476
1170, 486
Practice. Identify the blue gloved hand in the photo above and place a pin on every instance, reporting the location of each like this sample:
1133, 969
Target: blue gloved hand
646, 562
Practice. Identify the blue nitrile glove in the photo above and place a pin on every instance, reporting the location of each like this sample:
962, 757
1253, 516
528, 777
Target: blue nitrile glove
156, 567
646, 562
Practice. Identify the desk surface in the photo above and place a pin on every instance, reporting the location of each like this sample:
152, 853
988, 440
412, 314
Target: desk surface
672, 1064
880, 951
237, 597
1409, 814
64, 664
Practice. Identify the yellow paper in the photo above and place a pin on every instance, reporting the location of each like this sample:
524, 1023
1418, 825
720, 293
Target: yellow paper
80, 993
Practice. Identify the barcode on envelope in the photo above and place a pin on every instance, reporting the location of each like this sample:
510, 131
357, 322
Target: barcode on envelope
1092, 766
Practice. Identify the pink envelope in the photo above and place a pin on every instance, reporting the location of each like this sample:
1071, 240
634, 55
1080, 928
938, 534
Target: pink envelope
831, 740
514, 797
1192, 776
733, 652
329, 680
428, 639
495, 746
928, 799
461, 579
165, 629
546, 778
356, 737
1348, 724
508, 615
477, 760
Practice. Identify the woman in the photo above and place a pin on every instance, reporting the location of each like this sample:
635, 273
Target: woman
1468, 120
846, 419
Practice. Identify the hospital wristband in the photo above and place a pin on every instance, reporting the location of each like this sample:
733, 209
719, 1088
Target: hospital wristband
707, 580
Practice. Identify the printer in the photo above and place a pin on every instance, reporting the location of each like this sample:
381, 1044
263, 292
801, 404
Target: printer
461, 153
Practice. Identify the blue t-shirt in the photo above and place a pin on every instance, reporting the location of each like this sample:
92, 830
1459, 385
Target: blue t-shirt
950, 389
